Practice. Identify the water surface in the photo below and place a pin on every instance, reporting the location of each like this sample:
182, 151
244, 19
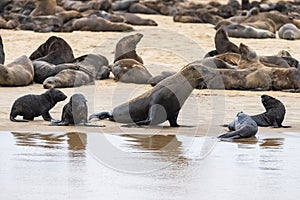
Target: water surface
103, 166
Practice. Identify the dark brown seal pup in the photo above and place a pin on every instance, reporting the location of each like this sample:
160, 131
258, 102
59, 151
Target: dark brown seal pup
95, 23
44, 7
31, 106
274, 115
20, 72
126, 48
55, 50
162, 102
243, 126
74, 112
2, 54
130, 71
68, 78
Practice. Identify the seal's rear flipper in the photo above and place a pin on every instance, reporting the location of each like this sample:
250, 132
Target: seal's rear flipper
101, 115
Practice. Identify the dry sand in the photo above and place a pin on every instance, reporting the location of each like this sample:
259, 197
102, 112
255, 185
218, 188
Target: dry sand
166, 47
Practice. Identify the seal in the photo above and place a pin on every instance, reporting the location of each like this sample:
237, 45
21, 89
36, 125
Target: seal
44, 7
289, 32
55, 50
43, 69
31, 106
130, 71
75, 112
96, 64
274, 115
95, 23
162, 102
245, 31
126, 48
68, 78
133, 19
222, 43
2, 54
140, 8
20, 72
243, 126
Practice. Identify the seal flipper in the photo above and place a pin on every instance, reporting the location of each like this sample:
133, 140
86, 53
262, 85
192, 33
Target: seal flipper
173, 121
12, 118
101, 115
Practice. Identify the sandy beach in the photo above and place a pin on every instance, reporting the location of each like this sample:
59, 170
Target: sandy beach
169, 46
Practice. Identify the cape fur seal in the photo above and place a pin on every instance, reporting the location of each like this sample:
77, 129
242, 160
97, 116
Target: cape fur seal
162, 102
241, 127
274, 115
20, 72
68, 78
126, 48
55, 50
44, 7
74, 112
130, 71
245, 31
289, 32
31, 106
223, 44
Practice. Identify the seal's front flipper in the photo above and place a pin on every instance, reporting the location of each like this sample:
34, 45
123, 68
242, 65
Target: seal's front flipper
58, 123
101, 115
173, 121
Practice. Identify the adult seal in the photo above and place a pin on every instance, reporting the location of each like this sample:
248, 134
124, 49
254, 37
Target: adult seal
31, 106
55, 50
243, 126
20, 72
126, 48
274, 115
163, 102
44, 7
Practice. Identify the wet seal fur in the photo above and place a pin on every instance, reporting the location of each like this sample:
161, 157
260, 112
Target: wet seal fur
163, 102
20, 72
75, 112
274, 115
55, 50
243, 126
31, 106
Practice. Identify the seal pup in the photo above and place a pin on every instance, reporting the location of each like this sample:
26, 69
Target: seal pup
274, 115
75, 112
20, 72
31, 106
289, 32
243, 126
55, 50
126, 48
162, 102
130, 71
68, 78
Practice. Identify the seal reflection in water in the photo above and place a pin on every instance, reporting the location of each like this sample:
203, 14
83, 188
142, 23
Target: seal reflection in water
164, 101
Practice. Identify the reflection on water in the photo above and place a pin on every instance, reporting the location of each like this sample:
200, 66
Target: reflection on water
71, 166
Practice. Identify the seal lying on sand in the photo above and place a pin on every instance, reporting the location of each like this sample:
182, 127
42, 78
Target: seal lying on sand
126, 48
241, 127
55, 50
44, 7
130, 71
162, 102
289, 32
68, 78
245, 31
31, 106
2, 54
18, 73
274, 115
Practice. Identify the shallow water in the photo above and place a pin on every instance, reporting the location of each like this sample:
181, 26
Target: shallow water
103, 166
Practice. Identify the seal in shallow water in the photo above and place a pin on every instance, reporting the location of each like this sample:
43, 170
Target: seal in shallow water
241, 127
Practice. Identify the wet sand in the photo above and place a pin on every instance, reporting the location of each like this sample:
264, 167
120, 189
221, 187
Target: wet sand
166, 47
